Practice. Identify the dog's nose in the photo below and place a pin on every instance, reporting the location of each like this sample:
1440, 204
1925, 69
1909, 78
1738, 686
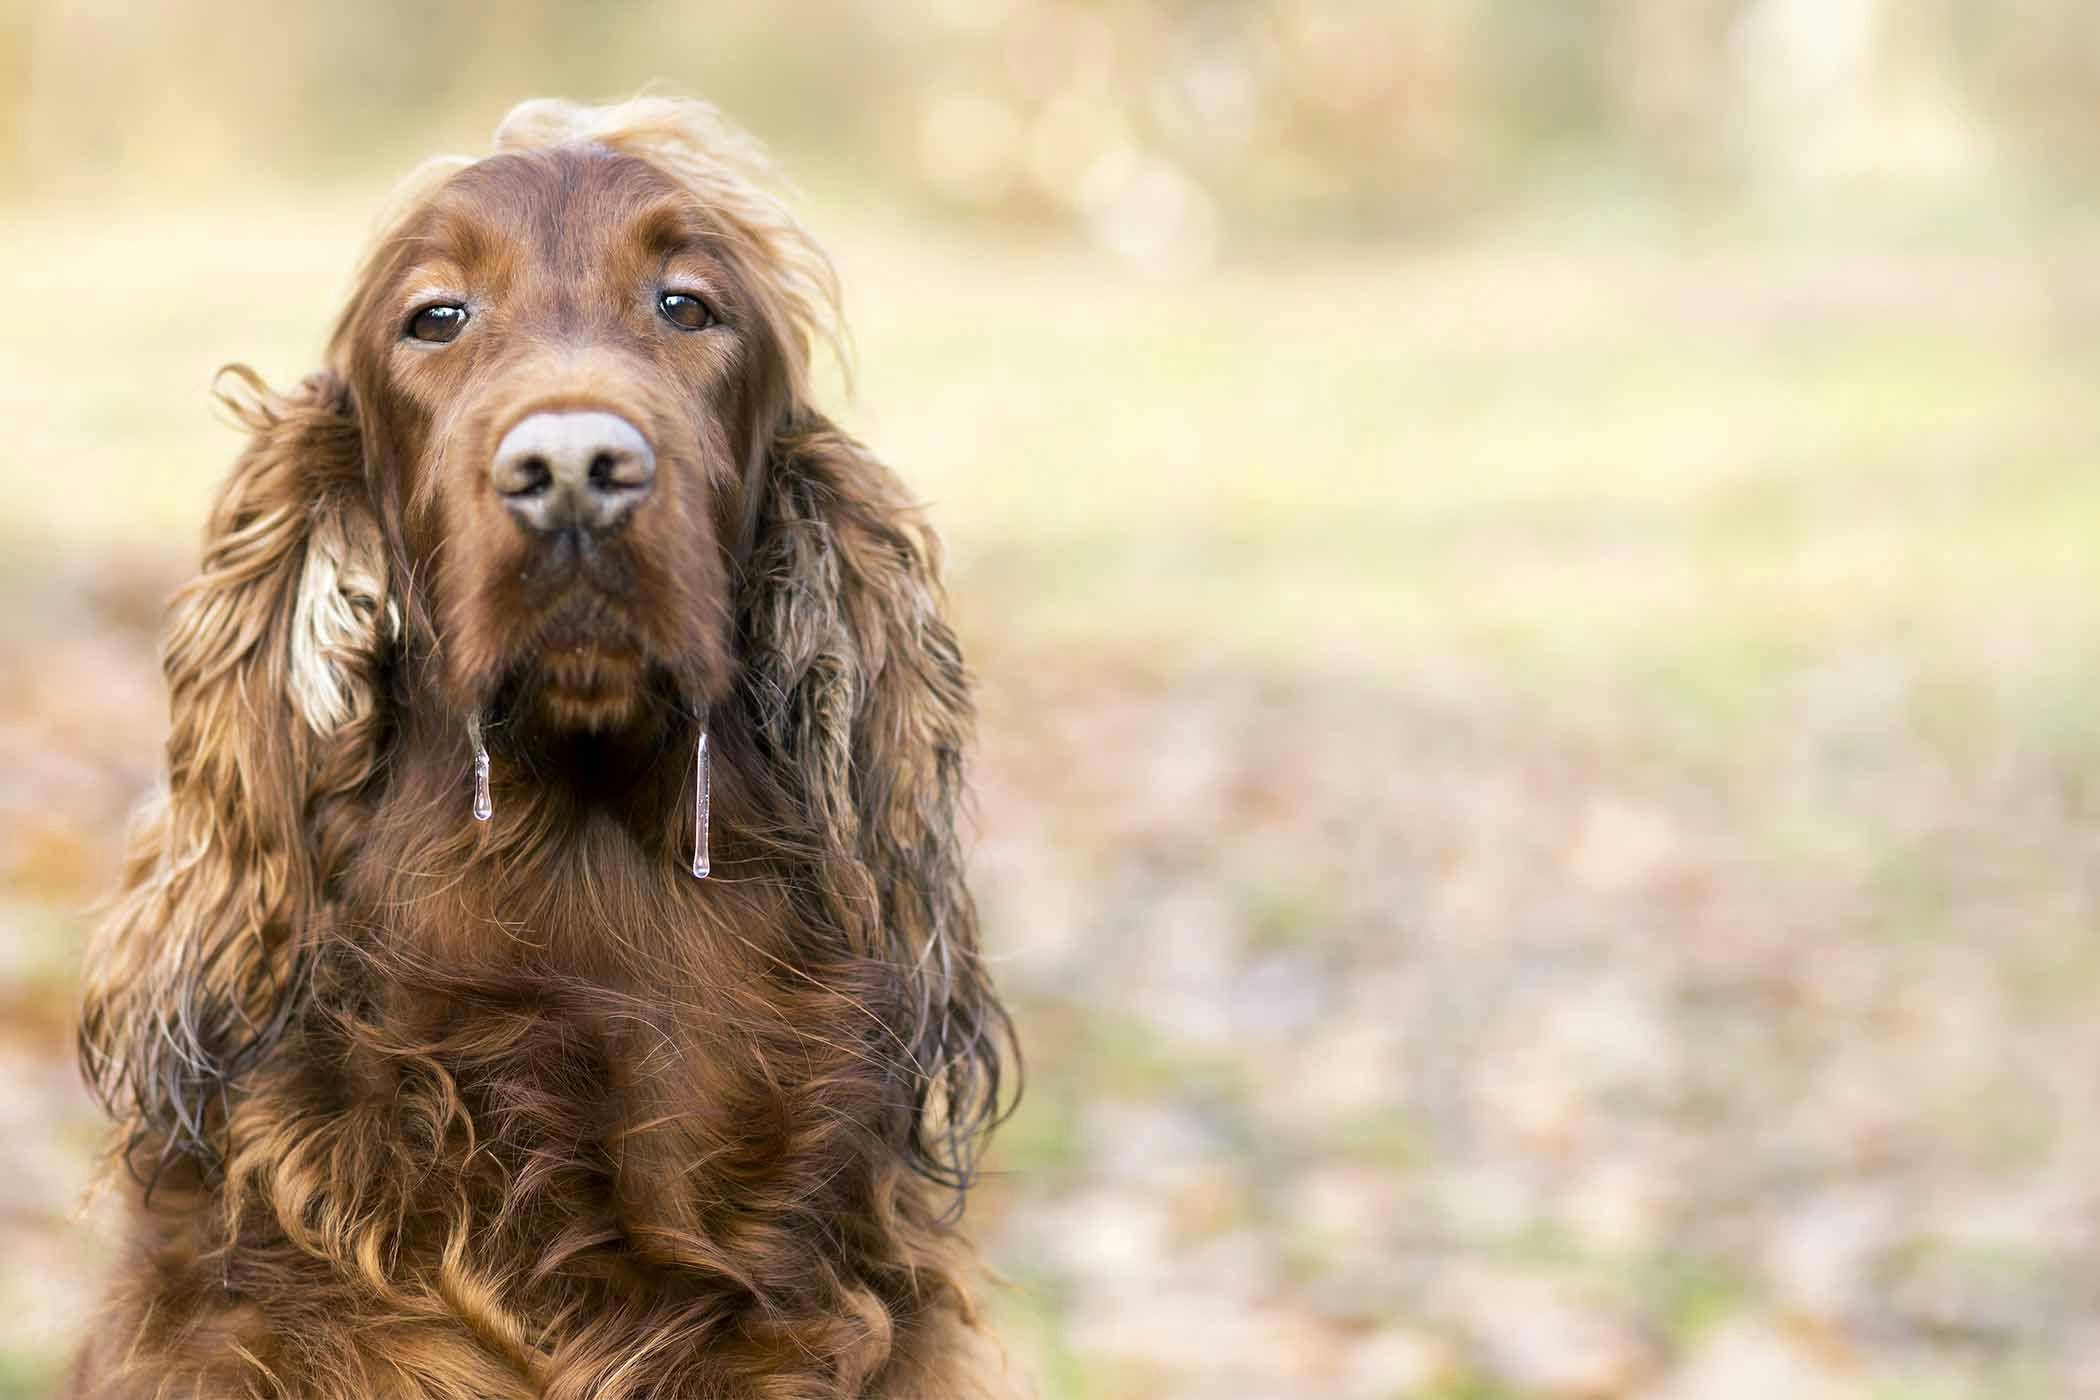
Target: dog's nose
588, 469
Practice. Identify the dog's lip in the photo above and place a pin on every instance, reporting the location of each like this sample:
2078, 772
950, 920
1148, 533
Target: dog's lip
597, 566
548, 697
555, 649
580, 609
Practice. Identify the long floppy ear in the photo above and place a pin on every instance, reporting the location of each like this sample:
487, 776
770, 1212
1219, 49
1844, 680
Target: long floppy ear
864, 705
272, 656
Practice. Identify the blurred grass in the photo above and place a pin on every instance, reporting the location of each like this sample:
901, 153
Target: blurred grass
1492, 649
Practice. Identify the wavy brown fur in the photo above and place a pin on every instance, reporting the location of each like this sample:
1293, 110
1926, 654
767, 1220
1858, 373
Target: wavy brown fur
421, 1108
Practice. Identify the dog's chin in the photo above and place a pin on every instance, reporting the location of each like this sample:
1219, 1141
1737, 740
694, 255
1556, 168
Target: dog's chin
564, 683
580, 666
588, 689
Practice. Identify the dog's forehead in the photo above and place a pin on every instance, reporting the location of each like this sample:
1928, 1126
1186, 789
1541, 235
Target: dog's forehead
567, 203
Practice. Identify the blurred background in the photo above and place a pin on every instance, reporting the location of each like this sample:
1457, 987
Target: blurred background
1533, 569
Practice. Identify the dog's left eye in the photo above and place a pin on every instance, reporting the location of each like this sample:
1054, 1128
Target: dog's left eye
685, 311
437, 324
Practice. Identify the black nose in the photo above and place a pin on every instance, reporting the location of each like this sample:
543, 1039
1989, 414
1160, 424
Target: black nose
589, 469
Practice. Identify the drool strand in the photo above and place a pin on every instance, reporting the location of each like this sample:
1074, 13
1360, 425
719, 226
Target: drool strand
702, 781
483, 808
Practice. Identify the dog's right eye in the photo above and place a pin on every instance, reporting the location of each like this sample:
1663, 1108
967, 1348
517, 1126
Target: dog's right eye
437, 324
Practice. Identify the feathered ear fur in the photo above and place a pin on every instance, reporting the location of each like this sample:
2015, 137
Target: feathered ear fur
864, 707
272, 656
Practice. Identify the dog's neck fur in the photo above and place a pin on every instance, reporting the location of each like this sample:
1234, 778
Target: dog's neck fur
572, 906
574, 875
580, 1116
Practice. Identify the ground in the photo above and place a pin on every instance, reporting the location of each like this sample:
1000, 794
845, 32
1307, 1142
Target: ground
1538, 796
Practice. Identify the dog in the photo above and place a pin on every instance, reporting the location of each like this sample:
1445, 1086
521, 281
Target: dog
548, 970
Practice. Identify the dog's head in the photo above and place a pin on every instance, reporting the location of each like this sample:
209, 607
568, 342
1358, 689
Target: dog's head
570, 361
561, 471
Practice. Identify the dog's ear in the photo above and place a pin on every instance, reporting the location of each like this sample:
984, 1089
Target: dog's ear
864, 705
272, 655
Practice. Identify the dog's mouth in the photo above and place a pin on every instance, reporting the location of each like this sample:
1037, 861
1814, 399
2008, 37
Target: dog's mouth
584, 668
549, 704
589, 687
606, 637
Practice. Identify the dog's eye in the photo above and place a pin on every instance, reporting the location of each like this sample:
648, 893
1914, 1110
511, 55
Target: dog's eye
438, 323
685, 311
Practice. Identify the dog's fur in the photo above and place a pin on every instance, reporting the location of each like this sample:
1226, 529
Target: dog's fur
416, 1106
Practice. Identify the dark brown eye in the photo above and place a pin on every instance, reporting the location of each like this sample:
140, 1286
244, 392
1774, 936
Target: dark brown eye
685, 311
437, 324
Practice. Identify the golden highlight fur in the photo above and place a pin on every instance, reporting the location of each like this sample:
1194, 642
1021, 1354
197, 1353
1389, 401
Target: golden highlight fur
419, 1107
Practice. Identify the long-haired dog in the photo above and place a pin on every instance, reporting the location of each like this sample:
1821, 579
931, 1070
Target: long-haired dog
420, 1105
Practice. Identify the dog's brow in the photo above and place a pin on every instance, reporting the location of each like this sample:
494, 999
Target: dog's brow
432, 283
460, 232
669, 227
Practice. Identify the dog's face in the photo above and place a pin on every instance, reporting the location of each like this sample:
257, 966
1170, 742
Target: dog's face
564, 375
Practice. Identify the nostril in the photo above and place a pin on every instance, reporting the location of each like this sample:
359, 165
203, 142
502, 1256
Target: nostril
531, 477
616, 470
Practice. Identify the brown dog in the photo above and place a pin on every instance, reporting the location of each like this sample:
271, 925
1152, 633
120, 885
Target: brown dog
425, 1106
